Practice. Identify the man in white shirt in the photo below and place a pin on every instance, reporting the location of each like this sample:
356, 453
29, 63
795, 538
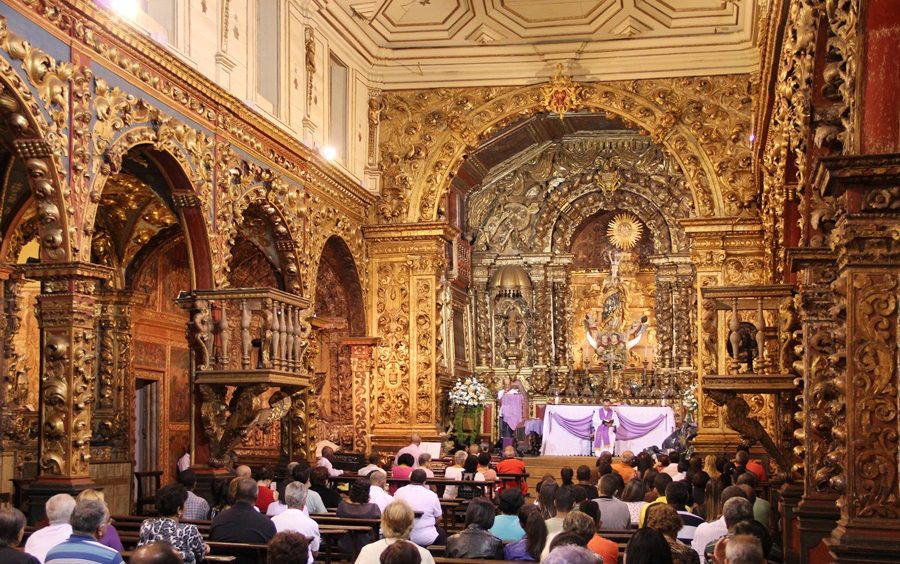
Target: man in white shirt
325, 462
374, 464
59, 509
294, 519
425, 528
709, 532
377, 495
414, 449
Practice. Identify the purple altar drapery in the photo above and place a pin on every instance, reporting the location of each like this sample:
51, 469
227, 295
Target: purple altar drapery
581, 428
629, 429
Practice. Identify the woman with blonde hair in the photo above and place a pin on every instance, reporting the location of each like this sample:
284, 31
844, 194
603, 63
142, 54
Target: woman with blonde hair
110, 537
709, 466
396, 525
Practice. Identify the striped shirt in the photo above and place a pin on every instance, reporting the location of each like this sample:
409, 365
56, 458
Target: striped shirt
82, 549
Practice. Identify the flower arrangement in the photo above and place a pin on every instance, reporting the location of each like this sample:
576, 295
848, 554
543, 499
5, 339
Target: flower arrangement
468, 398
689, 401
469, 393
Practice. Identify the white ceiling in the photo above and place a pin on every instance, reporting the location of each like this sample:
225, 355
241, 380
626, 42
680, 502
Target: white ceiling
471, 42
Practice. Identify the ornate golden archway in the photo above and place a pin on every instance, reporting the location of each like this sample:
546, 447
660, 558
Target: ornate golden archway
703, 123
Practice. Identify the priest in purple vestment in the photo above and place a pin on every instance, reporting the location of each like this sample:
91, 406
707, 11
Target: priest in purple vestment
605, 435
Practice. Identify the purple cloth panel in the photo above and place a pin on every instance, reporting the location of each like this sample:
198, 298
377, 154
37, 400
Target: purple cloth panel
581, 428
511, 410
629, 429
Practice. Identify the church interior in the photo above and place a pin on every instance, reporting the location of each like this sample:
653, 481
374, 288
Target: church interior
239, 229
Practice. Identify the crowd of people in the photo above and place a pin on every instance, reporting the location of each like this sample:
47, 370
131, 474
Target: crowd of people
683, 511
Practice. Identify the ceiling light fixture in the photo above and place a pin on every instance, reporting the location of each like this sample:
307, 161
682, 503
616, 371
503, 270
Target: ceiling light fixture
329, 153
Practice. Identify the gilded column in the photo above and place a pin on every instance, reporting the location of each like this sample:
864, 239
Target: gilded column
822, 413
113, 407
67, 311
362, 364
866, 452
407, 266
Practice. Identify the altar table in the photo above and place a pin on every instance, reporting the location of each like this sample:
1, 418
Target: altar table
560, 442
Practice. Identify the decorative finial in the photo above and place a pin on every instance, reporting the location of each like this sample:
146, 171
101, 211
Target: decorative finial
561, 94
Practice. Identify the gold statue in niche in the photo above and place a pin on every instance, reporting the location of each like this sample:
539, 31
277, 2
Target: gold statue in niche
615, 309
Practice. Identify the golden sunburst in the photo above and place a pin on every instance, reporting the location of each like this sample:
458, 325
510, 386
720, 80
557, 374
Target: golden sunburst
624, 231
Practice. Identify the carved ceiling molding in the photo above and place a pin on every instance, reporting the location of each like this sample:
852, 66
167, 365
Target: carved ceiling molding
503, 41
552, 189
703, 124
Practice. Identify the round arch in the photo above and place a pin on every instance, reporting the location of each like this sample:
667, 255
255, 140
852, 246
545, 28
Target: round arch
694, 120
337, 254
176, 170
283, 233
24, 124
667, 234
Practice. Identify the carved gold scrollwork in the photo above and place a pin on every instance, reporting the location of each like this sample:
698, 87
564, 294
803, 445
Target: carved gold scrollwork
709, 140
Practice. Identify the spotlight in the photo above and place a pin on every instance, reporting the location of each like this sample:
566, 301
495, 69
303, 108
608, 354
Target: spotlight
329, 153
127, 9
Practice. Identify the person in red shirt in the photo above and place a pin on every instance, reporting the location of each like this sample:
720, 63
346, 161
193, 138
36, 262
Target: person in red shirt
266, 495
512, 465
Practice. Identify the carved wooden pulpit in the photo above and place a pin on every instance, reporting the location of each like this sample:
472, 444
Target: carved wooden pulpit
758, 360
251, 342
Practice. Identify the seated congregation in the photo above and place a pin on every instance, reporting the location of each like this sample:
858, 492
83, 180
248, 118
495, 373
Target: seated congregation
635, 509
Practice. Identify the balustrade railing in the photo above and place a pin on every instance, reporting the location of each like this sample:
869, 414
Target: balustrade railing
248, 335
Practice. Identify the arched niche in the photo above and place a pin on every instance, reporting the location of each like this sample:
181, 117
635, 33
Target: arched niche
155, 241
339, 315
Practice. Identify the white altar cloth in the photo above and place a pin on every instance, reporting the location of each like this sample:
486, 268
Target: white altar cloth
557, 441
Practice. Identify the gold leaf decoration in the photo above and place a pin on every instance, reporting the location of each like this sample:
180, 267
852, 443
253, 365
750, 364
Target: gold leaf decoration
624, 231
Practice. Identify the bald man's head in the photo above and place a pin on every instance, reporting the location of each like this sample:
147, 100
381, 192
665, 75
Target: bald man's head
243, 471
158, 552
509, 452
415, 439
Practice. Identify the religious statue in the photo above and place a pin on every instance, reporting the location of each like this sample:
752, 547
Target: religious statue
615, 298
605, 435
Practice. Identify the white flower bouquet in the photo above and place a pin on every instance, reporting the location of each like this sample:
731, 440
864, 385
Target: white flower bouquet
468, 396
469, 393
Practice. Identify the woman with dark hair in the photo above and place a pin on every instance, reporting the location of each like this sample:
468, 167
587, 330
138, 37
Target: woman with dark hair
698, 479
649, 478
402, 470
633, 496
185, 538
506, 525
567, 474
220, 501
532, 544
470, 473
546, 498
12, 527
476, 540
357, 506
401, 552
648, 546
